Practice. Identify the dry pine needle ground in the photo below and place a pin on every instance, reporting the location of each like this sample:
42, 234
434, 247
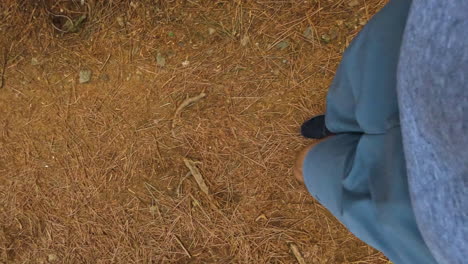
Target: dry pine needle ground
92, 168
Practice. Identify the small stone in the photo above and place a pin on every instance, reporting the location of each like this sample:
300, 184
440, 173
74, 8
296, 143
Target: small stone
160, 60
211, 31
353, 3
153, 210
282, 45
326, 38
34, 61
308, 33
104, 77
245, 40
185, 63
120, 21
52, 257
85, 76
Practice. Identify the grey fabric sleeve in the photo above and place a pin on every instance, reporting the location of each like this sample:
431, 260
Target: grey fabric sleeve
433, 102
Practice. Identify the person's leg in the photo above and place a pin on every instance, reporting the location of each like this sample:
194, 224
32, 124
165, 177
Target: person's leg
323, 165
362, 97
297, 170
361, 179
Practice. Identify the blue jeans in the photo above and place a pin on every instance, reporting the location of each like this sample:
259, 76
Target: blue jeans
360, 173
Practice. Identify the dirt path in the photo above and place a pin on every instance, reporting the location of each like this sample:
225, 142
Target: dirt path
93, 171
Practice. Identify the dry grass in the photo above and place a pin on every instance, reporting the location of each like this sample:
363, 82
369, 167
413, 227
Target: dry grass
92, 173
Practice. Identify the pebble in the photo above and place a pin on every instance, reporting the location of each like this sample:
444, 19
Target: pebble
85, 76
353, 3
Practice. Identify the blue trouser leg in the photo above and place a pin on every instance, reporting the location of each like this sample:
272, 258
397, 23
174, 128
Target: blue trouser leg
360, 174
362, 97
366, 189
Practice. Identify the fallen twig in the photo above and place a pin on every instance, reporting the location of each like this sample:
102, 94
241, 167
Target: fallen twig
297, 253
197, 175
184, 104
200, 181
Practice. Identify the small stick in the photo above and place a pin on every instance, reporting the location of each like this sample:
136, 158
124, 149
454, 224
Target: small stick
201, 182
197, 175
182, 246
297, 253
184, 104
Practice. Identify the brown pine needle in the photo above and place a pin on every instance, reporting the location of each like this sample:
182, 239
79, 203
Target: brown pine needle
182, 246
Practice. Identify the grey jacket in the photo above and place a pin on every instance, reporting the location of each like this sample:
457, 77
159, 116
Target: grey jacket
433, 102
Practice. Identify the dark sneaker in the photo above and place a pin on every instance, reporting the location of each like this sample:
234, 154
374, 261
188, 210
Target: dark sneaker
315, 128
